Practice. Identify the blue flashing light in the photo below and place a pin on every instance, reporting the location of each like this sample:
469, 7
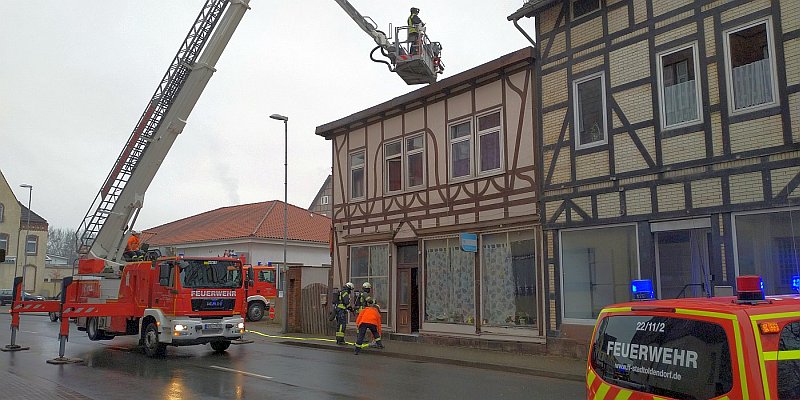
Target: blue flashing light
796, 283
259, 263
642, 289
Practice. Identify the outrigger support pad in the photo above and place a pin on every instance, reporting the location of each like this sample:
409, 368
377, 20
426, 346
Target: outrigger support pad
62, 340
241, 341
13, 346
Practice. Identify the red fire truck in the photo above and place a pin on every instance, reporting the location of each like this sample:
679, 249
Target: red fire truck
261, 297
165, 300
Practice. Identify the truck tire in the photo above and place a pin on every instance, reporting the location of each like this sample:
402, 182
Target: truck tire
93, 329
152, 347
220, 346
255, 311
53, 316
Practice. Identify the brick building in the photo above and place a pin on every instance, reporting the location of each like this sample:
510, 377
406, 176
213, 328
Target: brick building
669, 146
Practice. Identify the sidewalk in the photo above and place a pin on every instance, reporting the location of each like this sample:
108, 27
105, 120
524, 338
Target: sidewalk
547, 366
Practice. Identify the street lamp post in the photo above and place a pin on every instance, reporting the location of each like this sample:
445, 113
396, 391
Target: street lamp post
282, 274
27, 229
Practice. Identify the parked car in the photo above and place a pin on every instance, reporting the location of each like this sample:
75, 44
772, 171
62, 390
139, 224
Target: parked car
6, 296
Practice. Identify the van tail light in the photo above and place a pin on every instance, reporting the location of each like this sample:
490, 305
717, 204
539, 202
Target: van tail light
769, 327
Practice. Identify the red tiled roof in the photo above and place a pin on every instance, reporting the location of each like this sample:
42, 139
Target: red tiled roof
258, 220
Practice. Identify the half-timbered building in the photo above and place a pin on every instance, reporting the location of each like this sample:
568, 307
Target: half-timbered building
669, 146
412, 174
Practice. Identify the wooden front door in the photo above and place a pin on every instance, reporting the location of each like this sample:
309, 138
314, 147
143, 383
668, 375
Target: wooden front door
404, 300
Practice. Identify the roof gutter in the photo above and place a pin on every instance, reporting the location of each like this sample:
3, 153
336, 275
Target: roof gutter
519, 28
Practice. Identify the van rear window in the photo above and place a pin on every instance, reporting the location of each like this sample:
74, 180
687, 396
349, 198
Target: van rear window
664, 356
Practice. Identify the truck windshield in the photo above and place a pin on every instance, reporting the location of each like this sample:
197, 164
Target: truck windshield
665, 356
210, 274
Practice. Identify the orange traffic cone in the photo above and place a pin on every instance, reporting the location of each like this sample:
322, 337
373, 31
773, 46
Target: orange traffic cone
272, 313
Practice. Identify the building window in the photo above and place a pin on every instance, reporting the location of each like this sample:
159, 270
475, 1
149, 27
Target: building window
32, 245
788, 366
371, 264
324, 200
583, 7
750, 66
597, 266
461, 150
4, 242
508, 280
357, 179
679, 88
394, 166
590, 116
449, 283
415, 161
768, 245
489, 143
2, 212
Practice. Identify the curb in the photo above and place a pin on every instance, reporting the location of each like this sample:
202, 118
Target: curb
463, 363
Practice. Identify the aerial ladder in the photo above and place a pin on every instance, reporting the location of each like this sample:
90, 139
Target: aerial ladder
104, 231
417, 62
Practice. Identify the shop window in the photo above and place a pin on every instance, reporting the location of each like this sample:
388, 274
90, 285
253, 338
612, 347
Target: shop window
768, 245
371, 264
32, 245
679, 88
789, 367
508, 280
357, 179
750, 66
449, 283
597, 266
583, 7
590, 111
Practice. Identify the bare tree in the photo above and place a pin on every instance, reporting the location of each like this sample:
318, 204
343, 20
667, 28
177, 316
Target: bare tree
61, 242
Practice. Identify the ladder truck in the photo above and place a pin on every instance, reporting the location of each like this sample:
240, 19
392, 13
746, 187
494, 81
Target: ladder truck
417, 62
164, 300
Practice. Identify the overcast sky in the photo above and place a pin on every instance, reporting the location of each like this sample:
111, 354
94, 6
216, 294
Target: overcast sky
75, 77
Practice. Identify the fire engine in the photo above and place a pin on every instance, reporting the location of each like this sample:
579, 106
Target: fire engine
262, 293
736, 347
164, 300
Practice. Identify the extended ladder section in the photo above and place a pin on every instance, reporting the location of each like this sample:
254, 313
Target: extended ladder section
109, 221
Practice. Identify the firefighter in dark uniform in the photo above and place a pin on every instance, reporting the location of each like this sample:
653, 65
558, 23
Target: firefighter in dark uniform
342, 307
361, 297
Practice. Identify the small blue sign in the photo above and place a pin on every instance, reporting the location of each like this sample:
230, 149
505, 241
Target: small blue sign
469, 242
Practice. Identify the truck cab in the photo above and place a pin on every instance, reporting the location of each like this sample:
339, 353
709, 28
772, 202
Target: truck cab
261, 297
736, 347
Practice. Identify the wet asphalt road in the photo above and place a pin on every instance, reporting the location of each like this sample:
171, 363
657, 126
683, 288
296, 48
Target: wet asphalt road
116, 369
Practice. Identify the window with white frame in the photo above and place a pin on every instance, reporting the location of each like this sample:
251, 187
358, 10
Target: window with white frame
583, 7
415, 161
394, 165
324, 200
32, 245
589, 96
750, 66
357, 179
489, 149
679, 87
4, 242
485, 146
461, 150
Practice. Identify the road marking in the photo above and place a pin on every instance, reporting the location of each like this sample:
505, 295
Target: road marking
240, 372
29, 332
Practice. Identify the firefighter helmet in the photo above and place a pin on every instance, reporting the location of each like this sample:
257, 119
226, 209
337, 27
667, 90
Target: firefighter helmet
414, 10
366, 285
349, 286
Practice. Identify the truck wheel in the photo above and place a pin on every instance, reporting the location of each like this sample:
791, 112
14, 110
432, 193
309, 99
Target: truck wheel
152, 347
221, 345
53, 316
93, 329
255, 311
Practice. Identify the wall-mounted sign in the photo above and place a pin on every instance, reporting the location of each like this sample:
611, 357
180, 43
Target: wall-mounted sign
469, 242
